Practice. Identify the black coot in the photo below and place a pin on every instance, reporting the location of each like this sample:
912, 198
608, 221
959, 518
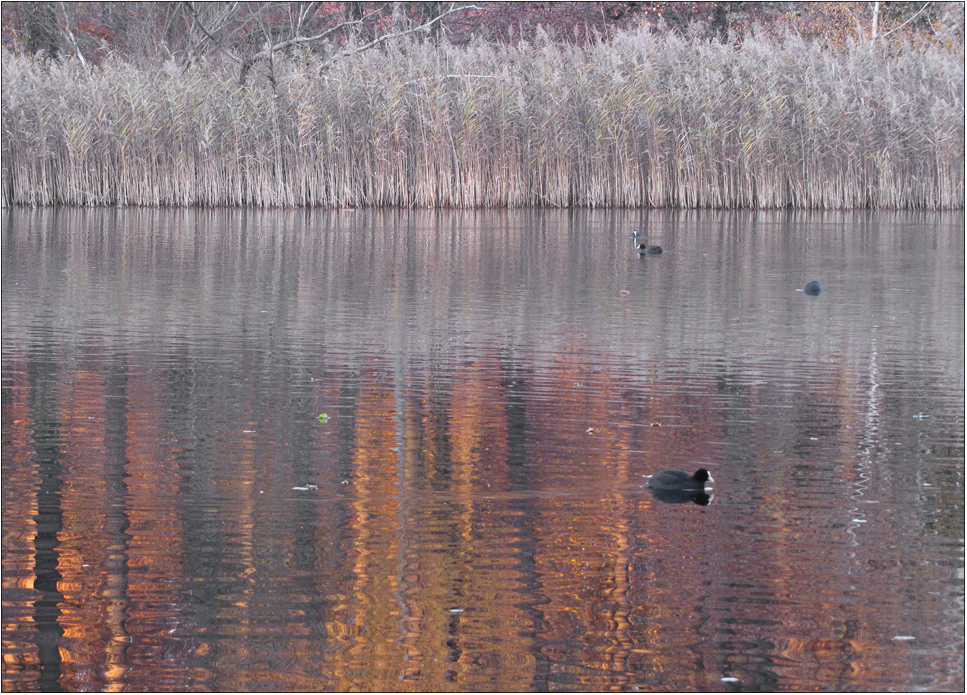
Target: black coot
812, 288
679, 480
649, 249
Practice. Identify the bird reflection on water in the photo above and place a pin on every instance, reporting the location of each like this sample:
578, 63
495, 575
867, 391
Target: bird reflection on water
699, 497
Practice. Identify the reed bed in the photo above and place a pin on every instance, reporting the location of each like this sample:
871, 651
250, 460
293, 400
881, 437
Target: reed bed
641, 120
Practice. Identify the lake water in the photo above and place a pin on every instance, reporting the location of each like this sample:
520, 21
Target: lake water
470, 512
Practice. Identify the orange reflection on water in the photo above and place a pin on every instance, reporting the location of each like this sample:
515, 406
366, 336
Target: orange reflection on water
441, 549
367, 623
19, 490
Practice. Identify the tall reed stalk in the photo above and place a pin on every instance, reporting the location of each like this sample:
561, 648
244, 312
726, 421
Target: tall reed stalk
641, 120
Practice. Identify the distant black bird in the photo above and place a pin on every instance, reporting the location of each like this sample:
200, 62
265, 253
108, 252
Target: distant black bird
649, 249
675, 479
812, 288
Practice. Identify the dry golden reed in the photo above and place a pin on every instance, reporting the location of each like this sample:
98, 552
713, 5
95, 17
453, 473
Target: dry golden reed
640, 120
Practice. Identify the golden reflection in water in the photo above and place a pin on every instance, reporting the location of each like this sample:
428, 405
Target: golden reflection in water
372, 612
490, 622
19, 492
93, 591
451, 577
439, 547
433, 597
154, 631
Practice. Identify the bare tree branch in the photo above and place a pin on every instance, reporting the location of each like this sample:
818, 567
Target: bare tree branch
919, 12
71, 39
387, 37
299, 21
271, 49
221, 21
298, 40
201, 25
308, 10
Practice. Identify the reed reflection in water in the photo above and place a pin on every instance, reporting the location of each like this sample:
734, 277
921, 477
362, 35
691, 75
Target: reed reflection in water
472, 514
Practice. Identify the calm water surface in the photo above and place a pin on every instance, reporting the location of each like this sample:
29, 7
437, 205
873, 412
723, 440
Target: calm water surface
471, 513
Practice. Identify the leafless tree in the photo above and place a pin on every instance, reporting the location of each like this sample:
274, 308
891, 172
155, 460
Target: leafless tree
255, 33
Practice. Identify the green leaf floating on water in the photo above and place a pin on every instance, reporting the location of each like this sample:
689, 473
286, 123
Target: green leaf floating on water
323, 418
